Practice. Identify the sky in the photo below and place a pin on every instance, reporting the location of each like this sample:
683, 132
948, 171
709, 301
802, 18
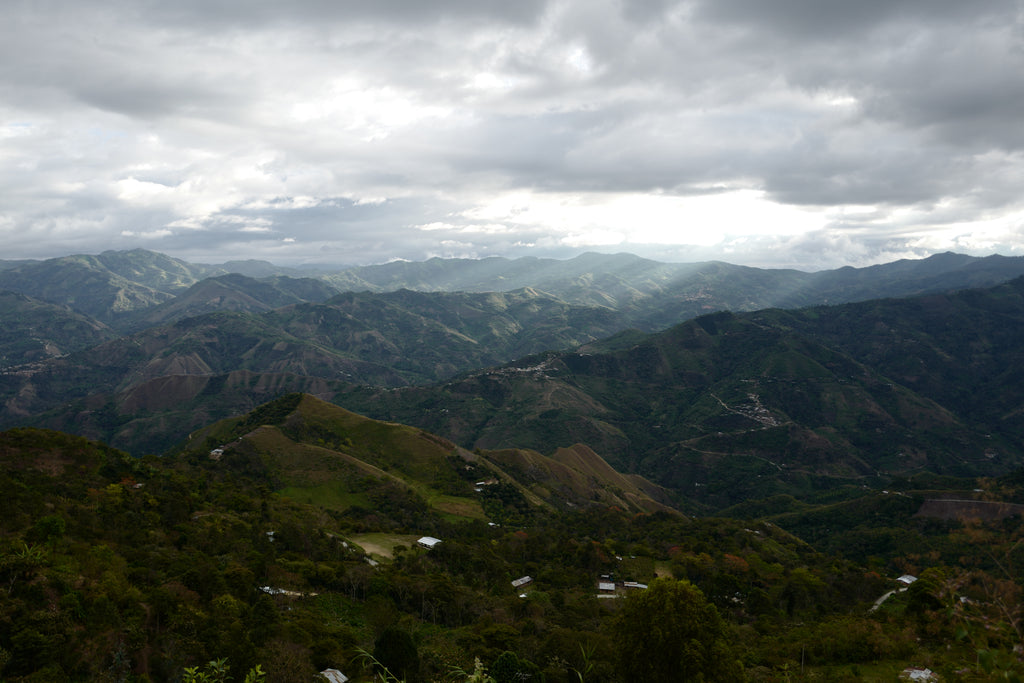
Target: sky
804, 134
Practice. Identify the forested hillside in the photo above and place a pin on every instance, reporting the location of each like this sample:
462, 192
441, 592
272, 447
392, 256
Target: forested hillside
262, 553
720, 409
730, 498
732, 406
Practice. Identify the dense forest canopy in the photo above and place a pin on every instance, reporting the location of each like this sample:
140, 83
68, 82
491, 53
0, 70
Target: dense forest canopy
126, 569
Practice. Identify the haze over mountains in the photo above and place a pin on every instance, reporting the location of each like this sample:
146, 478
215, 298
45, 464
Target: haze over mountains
139, 349
114, 287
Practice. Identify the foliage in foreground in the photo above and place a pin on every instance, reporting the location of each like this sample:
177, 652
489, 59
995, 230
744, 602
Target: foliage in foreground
154, 570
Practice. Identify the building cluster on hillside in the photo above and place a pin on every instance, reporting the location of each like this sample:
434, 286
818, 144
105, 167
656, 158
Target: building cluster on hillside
608, 587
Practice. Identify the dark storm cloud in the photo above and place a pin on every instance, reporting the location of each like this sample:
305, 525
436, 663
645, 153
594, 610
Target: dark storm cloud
829, 20
952, 68
221, 13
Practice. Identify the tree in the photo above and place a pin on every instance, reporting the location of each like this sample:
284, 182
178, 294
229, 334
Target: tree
927, 593
670, 632
21, 564
216, 671
509, 668
395, 651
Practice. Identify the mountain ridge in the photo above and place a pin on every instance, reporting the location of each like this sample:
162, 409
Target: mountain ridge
116, 287
304, 442
837, 390
773, 395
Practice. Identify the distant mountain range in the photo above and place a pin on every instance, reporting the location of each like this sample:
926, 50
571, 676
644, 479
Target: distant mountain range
920, 376
115, 286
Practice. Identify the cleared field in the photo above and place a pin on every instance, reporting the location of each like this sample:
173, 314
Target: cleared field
382, 545
326, 495
456, 508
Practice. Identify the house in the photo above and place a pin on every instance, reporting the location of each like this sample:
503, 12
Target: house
606, 586
269, 590
907, 579
522, 581
915, 673
334, 676
428, 542
633, 584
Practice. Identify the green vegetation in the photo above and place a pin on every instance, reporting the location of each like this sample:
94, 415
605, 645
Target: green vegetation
819, 454
670, 632
843, 383
164, 569
217, 670
728, 407
34, 331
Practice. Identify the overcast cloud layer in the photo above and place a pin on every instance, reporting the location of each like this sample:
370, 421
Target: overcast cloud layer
774, 133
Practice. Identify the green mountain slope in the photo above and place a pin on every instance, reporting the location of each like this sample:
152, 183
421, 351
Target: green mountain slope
232, 292
311, 449
431, 336
107, 286
382, 340
963, 350
731, 406
33, 330
143, 389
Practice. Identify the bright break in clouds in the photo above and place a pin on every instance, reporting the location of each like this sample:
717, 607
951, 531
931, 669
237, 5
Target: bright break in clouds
803, 133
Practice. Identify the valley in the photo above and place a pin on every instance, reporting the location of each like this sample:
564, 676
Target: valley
770, 450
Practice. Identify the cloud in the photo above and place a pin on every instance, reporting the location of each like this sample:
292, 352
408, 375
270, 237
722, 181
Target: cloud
808, 132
